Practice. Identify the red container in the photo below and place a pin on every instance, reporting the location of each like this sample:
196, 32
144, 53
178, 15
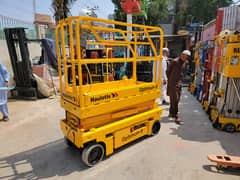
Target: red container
207, 75
219, 21
208, 63
94, 55
131, 6
218, 58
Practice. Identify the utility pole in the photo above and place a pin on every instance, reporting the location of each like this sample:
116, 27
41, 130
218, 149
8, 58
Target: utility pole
34, 8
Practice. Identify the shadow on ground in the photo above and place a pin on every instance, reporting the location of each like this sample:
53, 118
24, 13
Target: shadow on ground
198, 127
50, 160
53, 159
229, 171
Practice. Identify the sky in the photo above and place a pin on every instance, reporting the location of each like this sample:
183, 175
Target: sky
23, 9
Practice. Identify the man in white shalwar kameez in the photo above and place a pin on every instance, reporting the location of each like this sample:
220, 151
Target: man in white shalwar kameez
164, 76
4, 79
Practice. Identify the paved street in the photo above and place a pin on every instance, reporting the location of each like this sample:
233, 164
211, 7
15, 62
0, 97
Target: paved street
32, 147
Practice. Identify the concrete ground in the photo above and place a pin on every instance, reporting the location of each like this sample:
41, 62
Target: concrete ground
32, 147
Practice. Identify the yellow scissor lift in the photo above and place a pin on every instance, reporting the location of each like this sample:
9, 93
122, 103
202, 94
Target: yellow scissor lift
225, 111
102, 116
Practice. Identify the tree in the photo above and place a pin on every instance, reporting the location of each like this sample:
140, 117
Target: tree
61, 8
158, 11
198, 10
205, 10
119, 14
186, 11
182, 16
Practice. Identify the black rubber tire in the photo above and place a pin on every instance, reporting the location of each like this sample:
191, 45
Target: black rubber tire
208, 110
229, 127
156, 127
216, 125
68, 142
209, 114
92, 154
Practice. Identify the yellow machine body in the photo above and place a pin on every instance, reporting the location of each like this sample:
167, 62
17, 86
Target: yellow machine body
193, 85
115, 134
106, 111
231, 60
221, 122
205, 105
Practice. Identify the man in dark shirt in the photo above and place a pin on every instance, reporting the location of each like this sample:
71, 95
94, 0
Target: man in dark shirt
175, 75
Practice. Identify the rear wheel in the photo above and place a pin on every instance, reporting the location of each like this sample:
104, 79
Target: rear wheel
156, 127
229, 128
92, 154
209, 114
208, 110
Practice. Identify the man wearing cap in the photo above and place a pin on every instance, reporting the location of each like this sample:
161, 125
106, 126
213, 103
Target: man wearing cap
164, 75
175, 76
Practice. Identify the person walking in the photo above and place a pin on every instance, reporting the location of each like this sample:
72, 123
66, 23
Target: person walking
175, 75
164, 75
4, 79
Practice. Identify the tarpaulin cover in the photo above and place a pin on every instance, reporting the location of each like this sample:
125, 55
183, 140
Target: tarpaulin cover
49, 48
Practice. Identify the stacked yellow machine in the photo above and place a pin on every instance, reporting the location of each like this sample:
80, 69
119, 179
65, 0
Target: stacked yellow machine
219, 87
193, 85
104, 112
225, 99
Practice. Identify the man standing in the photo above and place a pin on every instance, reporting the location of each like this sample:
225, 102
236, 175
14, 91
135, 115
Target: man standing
4, 79
175, 76
164, 75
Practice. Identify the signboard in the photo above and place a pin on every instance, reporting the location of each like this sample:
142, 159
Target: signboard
42, 19
183, 32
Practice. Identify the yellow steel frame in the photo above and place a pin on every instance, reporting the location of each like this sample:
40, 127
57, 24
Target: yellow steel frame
205, 105
193, 85
213, 113
75, 25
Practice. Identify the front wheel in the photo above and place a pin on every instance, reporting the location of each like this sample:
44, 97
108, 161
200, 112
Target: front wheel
156, 127
92, 154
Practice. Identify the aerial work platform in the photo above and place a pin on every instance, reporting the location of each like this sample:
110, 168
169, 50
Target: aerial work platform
108, 104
